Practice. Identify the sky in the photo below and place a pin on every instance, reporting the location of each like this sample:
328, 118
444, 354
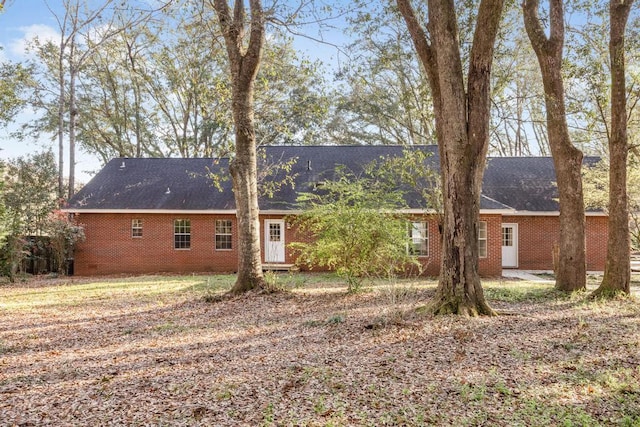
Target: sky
22, 20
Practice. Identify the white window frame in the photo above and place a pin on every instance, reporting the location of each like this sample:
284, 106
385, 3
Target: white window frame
136, 228
419, 234
228, 223
483, 243
183, 229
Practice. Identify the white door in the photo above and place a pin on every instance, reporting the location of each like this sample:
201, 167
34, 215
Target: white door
274, 240
510, 245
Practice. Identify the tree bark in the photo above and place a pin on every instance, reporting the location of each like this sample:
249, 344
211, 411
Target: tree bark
73, 115
60, 112
244, 68
462, 131
617, 271
571, 274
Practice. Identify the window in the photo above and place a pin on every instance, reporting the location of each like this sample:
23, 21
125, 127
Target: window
275, 232
482, 239
136, 228
182, 234
507, 236
223, 234
419, 239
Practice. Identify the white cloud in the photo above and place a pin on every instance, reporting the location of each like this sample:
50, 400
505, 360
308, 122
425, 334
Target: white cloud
44, 33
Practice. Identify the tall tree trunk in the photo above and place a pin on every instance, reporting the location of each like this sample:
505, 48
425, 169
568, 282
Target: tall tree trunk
138, 118
244, 68
61, 109
462, 130
136, 96
73, 115
243, 171
617, 271
571, 274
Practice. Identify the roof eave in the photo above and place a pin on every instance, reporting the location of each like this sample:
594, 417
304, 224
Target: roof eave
552, 213
148, 211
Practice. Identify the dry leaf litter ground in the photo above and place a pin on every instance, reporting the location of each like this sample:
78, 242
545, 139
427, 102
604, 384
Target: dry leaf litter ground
153, 351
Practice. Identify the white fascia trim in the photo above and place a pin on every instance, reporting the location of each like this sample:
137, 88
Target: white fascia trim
505, 212
149, 211
433, 212
176, 211
496, 211
401, 211
281, 212
550, 213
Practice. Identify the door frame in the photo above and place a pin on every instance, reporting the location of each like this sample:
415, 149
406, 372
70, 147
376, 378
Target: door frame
274, 254
516, 245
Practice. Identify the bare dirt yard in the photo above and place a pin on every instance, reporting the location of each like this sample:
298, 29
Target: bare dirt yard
161, 351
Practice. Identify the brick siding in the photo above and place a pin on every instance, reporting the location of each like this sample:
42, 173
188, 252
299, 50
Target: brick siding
109, 247
537, 236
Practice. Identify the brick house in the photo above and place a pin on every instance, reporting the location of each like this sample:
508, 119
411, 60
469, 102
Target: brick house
167, 215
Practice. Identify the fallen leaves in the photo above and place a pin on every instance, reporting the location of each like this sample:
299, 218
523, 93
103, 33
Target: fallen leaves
311, 357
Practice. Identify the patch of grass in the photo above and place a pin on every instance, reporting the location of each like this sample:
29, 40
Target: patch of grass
336, 319
268, 415
502, 388
319, 405
63, 295
621, 381
473, 392
5, 348
170, 327
225, 391
516, 291
214, 284
534, 412
404, 416
314, 323
520, 354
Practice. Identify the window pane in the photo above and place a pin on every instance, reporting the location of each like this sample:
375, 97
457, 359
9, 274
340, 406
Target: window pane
182, 226
482, 248
482, 239
482, 230
223, 234
182, 241
419, 238
136, 228
507, 236
182, 234
223, 226
274, 232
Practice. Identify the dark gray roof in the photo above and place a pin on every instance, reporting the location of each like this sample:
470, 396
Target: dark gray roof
524, 183
167, 184
520, 183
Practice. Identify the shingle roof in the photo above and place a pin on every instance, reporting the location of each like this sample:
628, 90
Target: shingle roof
522, 183
163, 184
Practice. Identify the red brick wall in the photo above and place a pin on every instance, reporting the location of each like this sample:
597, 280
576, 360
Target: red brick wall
538, 234
597, 235
110, 249
491, 266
